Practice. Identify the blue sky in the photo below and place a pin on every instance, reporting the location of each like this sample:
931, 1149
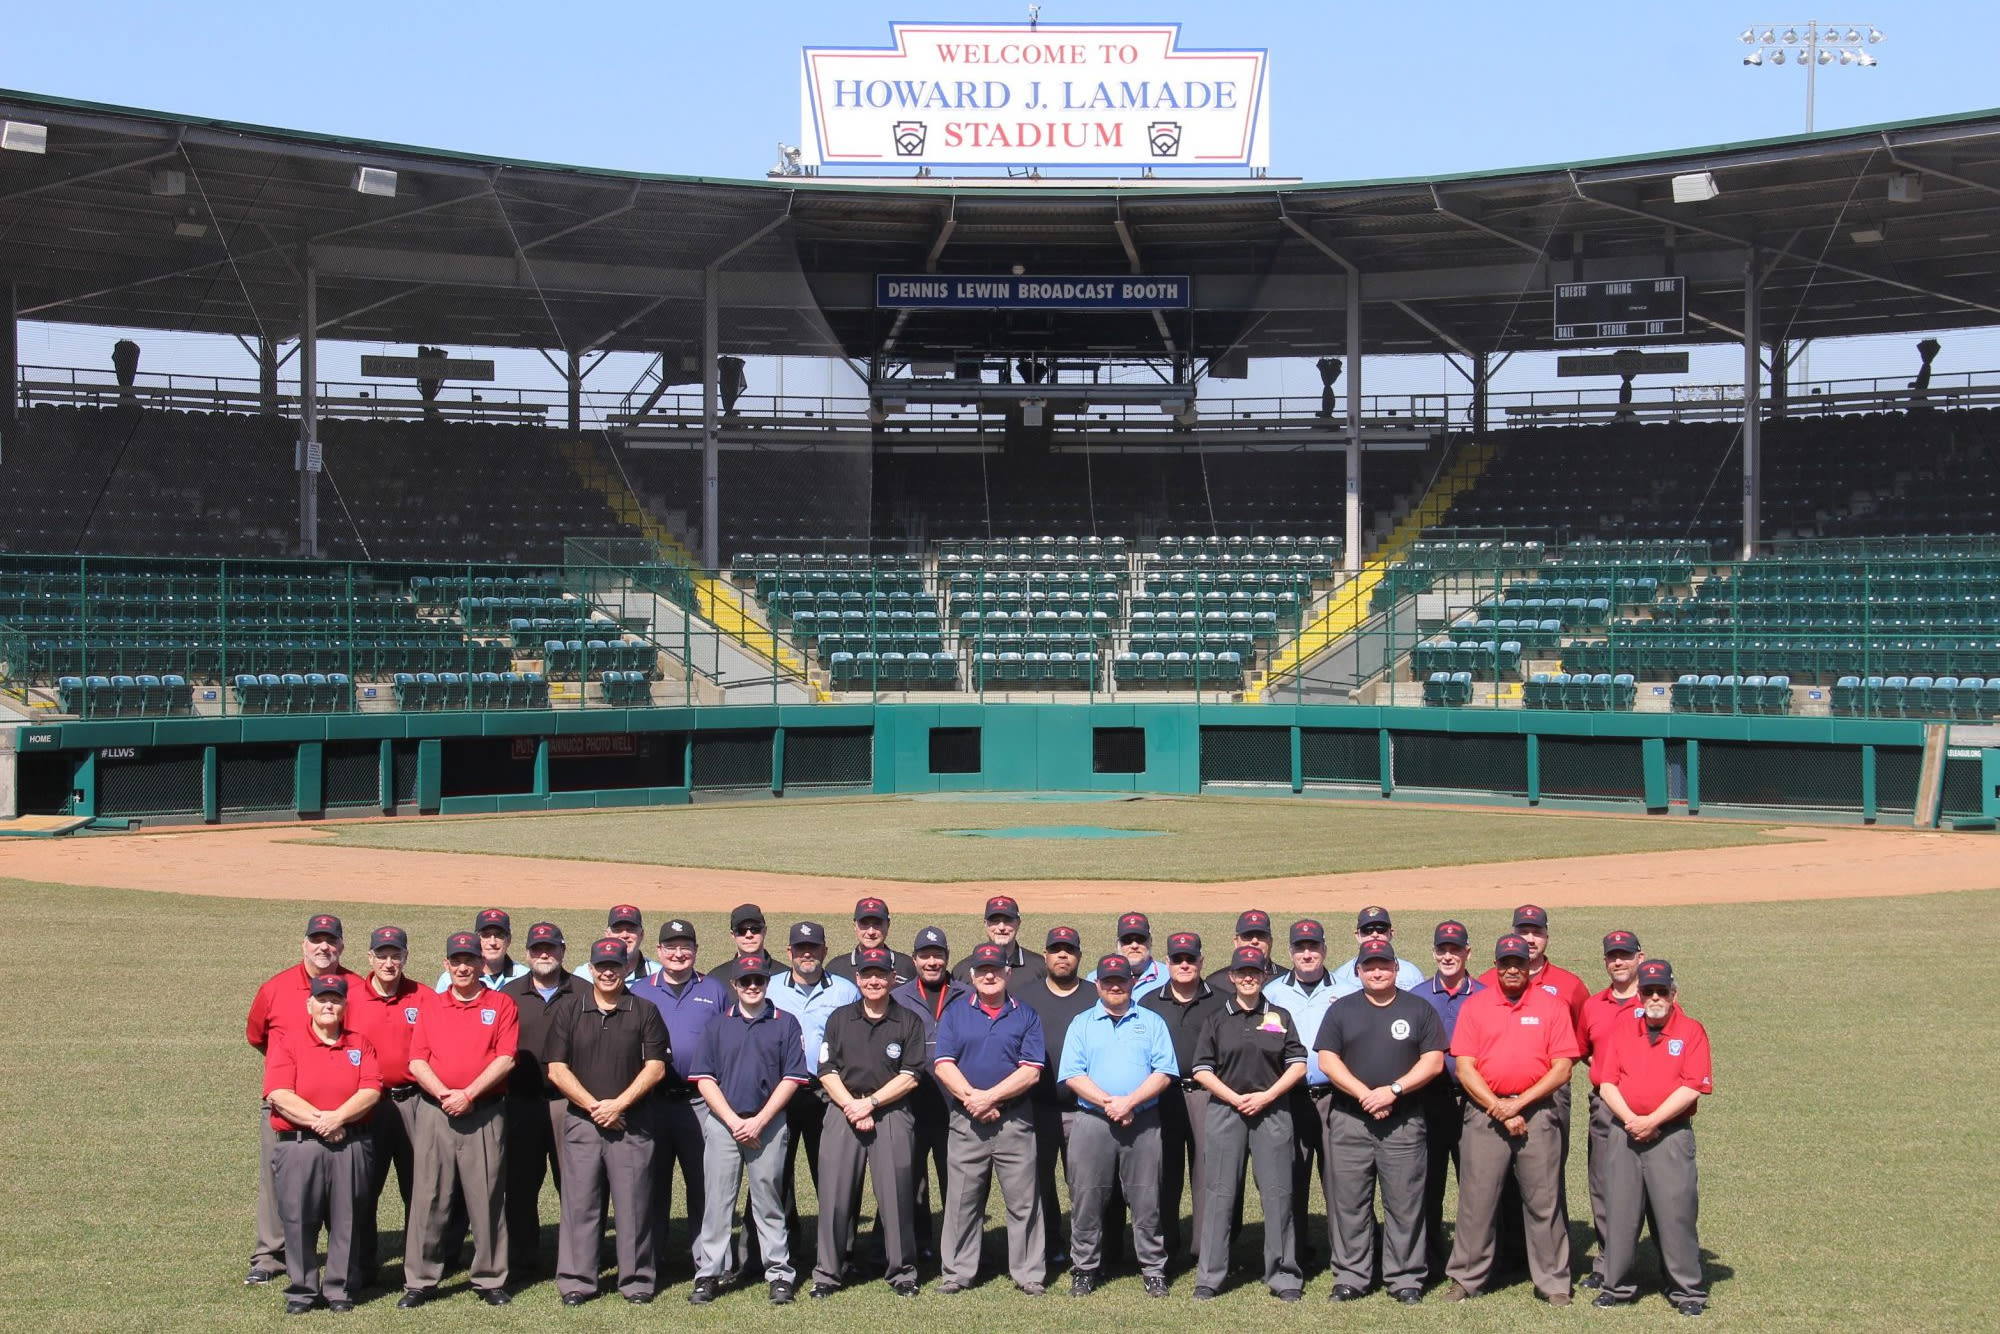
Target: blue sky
1358, 91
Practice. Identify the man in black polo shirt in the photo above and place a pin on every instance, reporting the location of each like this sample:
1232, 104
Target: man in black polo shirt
1248, 1057
926, 995
869, 1061
1003, 928
1253, 932
871, 932
1058, 997
536, 1111
1186, 1003
748, 1064
606, 1053
1378, 1046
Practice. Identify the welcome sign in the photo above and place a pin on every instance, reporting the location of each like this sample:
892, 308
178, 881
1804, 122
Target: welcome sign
1022, 95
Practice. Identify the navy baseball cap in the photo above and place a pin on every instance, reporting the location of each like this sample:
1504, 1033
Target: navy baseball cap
1530, 915
1184, 942
333, 984
751, 965
494, 917
1655, 973
1373, 950
324, 924
1063, 938
808, 933
874, 960
1371, 916
461, 942
1452, 933
1134, 924
1510, 947
866, 908
1308, 930
677, 928
609, 950
931, 938
1621, 942
1114, 968
382, 937
624, 914
545, 933
1247, 956
989, 954
1002, 906
1255, 921
745, 913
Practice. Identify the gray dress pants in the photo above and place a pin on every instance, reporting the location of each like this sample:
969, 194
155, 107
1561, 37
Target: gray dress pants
724, 1165
1101, 1154
975, 1152
318, 1184
268, 1252
1052, 1123
677, 1143
1658, 1175
1266, 1140
468, 1155
596, 1163
394, 1127
1489, 1156
1366, 1152
888, 1154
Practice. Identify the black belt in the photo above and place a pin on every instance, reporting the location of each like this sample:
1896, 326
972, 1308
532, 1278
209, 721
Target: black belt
403, 1092
298, 1136
1319, 1092
1187, 1084
681, 1093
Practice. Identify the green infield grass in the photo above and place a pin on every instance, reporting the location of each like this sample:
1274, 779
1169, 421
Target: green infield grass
1210, 839
1848, 1171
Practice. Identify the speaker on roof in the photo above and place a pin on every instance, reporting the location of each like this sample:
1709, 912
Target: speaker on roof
1231, 365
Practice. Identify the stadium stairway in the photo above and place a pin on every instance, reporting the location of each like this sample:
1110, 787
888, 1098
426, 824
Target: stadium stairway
715, 600
1347, 607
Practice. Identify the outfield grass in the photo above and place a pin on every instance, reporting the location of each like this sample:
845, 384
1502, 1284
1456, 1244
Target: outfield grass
1847, 1161
1208, 840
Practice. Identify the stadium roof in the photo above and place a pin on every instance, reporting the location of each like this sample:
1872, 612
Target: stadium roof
151, 220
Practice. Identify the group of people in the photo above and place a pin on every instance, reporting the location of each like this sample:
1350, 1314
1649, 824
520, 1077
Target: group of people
1133, 1081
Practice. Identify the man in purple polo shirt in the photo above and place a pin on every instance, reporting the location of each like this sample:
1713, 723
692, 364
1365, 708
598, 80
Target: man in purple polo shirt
990, 1055
687, 1000
1444, 1101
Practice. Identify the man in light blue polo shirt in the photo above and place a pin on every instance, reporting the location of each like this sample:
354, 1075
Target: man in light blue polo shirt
810, 995
497, 967
1369, 923
1117, 1059
1306, 993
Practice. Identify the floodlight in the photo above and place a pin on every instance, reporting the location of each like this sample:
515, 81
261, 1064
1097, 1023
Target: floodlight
1754, 58
1777, 57
1766, 38
1825, 56
377, 181
1749, 34
20, 136
1864, 60
1853, 36
1874, 35
1791, 35
1695, 187
169, 182
1847, 57
1906, 187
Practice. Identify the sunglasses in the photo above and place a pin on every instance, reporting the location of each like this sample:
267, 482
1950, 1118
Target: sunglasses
747, 929
1374, 930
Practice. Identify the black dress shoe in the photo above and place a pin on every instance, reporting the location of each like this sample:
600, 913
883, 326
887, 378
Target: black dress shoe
299, 1305
905, 1289
1288, 1294
821, 1290
414, 1298
639, 1298
1155, 1286
576, 1298
1692, 1307
1343, 1293
782, 1292
258, 1277
1409, 1296
494, 1296
1082, 1283
1606, 1301
1592, 1281
1204, 1294
705, 1290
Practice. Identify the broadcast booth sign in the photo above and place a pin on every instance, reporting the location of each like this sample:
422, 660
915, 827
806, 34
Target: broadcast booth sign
1018, 95
931, 291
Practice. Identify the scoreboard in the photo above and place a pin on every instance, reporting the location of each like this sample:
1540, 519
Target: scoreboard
1625, 309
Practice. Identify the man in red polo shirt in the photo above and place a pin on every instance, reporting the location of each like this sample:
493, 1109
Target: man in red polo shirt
460, 1057
1514, 1044
1653, 1070
280, 1005
1622, 957
384, 1010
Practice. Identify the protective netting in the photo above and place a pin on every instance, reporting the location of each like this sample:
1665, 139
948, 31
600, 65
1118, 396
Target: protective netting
155, 780
1246, 755
1812, 777
351, 774
1330, 756
1573, 767
732, 760
256, 778
1472, 763
830, 757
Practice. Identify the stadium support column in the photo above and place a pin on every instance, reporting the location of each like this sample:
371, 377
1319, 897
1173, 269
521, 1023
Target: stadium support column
1482, 377
1753, 367
267, 377
573, 378
306, 457
711, 457
1352, 558
10, 356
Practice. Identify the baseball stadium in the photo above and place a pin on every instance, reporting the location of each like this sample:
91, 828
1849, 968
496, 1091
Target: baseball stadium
472, 602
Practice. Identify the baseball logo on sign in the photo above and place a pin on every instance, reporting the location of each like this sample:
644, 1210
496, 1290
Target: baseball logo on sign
1400, 1029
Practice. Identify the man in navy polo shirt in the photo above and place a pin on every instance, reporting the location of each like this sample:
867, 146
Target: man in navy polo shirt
1444, 1101
990, 1055
1117, 1059
687, 1000
749, 1064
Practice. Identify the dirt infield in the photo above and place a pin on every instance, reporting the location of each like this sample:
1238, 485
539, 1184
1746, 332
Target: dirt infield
290, 862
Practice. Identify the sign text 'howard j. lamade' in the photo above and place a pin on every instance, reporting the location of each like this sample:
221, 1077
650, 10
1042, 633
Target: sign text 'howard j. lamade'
1055, 95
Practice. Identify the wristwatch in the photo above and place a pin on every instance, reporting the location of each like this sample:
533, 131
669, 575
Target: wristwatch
1396, 1088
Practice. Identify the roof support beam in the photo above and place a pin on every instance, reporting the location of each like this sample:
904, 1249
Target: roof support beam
1124, 231
147, 160
945, 229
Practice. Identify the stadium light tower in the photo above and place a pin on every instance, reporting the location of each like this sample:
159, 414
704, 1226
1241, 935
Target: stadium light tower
1811, 44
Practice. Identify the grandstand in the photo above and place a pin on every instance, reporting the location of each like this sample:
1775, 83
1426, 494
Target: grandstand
1010, 509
